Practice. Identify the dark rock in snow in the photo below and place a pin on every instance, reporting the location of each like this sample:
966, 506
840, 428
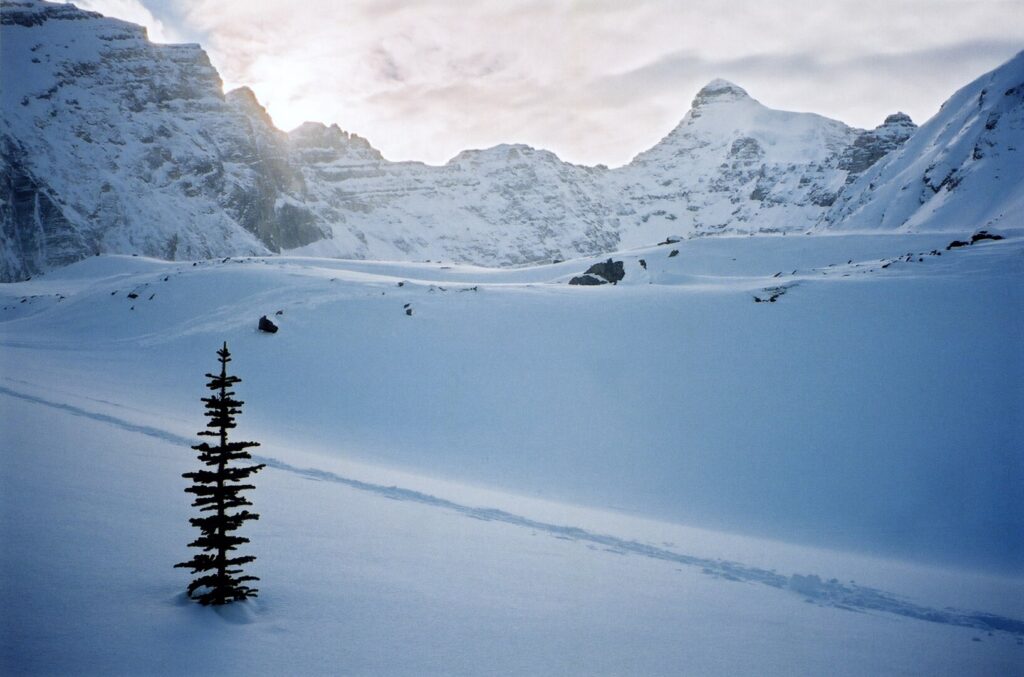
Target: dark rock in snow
674, 252
774, 294
984, 235
267, 326
408, 311
587, 280
613, 271
977, 237
643, 264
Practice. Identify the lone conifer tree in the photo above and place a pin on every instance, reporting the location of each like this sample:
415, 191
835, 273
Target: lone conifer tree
217, 489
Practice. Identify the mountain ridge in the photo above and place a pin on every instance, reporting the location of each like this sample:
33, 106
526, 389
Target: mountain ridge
113, 144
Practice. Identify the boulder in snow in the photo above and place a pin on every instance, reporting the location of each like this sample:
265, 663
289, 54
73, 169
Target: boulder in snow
267, 326
587, 280
612, 271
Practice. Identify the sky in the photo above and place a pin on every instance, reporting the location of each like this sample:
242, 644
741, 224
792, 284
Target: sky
595, 81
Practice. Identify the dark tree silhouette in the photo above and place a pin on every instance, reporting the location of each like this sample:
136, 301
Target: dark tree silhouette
217, 489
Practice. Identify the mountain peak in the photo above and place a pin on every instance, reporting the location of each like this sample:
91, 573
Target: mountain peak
719, 90
318, 136
900, 118
30, 13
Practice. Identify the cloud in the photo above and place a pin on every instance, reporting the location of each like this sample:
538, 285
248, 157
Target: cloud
888, 74
593, 80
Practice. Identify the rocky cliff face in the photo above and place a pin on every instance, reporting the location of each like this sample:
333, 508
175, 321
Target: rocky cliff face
113, 144
503, 205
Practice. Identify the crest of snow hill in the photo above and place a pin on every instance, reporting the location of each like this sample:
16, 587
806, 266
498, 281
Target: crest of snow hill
114, 144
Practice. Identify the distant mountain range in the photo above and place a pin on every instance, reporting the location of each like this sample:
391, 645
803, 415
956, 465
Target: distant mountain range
113, 144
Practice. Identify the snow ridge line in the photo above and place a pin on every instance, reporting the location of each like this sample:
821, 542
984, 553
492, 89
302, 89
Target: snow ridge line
815, 590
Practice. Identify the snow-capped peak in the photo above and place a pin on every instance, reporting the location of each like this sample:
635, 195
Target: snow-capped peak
899, 118
719, 91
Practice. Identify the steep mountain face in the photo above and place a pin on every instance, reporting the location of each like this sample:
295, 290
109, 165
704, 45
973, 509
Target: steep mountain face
113, 144
963, 170
504, 205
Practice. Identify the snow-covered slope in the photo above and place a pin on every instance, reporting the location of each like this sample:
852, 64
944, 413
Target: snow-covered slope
964, 169
846, 412
874, 406
113, 144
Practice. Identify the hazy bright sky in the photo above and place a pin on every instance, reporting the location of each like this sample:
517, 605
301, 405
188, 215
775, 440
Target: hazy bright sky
596, 81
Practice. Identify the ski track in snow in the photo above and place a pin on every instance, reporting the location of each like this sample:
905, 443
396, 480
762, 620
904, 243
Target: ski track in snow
814, 589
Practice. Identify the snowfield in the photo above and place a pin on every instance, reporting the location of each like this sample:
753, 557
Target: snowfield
527, 477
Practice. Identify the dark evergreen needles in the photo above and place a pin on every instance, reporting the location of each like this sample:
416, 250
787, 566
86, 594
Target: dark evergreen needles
218, 491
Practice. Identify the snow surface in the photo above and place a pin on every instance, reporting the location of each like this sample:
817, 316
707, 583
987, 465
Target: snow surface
422, 512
